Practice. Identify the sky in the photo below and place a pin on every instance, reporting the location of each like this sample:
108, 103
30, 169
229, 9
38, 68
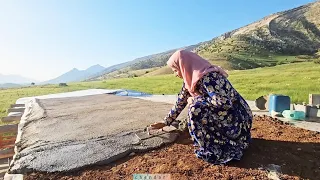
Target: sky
42, 39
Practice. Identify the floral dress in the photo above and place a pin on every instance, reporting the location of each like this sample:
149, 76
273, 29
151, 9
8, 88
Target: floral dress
219, 120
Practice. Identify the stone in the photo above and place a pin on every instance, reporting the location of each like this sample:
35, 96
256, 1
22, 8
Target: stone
314, 99
313, 112
262, 102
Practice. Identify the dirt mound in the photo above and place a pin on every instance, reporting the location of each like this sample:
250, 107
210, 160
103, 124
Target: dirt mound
295, 150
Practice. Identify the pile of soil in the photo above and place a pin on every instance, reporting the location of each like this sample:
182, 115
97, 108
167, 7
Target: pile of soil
295, 150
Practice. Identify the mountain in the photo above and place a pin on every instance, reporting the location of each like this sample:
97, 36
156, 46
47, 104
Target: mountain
154, 60
9, 85
15, 79
76, 75
94, 69
285, 37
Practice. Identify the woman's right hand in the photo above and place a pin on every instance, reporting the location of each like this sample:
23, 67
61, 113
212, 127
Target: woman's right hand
158, 125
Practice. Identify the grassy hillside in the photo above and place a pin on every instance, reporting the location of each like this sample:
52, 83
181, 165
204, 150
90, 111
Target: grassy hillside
233, 56
284, 37
160, 71
128, 73
296, 80
281, 38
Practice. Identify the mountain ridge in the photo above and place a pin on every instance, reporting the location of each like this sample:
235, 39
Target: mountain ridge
139, 62
283, 37
75, 75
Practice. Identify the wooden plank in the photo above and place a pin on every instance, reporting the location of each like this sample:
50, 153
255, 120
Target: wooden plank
17, 105
9, 128
16, 110
7, 142
6, 153
7, 147
11, 118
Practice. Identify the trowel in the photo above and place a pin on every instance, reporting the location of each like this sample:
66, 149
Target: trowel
150, 132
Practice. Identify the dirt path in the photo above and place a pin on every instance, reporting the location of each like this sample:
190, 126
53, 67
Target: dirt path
297, 151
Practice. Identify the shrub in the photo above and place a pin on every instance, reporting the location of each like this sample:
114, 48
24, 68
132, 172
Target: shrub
316, 61
281, 62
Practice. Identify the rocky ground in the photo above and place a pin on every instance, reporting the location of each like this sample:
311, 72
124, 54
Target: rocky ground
294, 152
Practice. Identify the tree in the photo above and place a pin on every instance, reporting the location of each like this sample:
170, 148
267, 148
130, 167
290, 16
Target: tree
32, 84
63, 84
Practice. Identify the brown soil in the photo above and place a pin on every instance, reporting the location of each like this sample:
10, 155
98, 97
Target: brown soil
297, 151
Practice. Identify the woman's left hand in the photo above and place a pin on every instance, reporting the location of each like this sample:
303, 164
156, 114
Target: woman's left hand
158, 125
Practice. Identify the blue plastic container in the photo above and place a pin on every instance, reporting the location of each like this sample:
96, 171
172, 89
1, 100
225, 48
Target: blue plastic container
279, 103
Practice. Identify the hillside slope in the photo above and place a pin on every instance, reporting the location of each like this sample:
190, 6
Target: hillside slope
146, 62
284, 37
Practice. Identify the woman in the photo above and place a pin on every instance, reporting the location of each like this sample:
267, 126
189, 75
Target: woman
219, 119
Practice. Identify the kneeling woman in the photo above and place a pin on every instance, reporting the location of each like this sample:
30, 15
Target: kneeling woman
219, 119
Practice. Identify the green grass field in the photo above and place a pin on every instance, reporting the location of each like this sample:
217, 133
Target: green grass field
296, 80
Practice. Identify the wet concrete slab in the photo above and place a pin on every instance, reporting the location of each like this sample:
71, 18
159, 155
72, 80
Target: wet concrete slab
65, 134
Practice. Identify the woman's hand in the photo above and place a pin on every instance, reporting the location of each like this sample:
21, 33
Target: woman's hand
157, 125
190, 100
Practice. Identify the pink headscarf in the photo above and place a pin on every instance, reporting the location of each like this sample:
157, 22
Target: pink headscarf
191, 67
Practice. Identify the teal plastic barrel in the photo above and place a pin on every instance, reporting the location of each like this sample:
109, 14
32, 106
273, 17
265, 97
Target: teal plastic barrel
295, 115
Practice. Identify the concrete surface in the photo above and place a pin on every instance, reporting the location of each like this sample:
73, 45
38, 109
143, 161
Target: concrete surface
88, 92
314, 99
65, 134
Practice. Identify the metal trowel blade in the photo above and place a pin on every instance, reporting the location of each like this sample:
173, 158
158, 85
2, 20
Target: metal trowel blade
149, 133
